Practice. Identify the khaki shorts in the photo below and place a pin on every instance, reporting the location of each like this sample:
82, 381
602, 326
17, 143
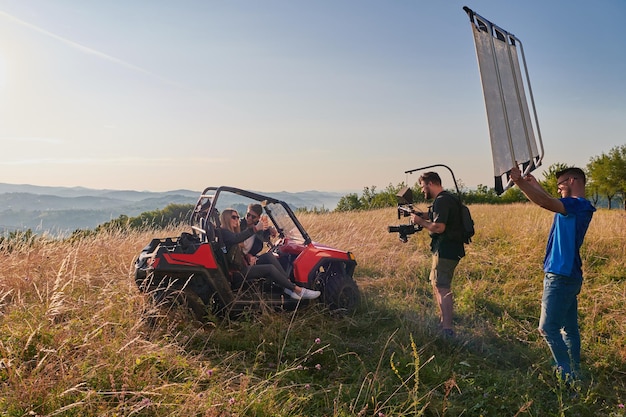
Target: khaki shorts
442, 271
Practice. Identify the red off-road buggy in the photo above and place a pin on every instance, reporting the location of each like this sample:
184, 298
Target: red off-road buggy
193, 267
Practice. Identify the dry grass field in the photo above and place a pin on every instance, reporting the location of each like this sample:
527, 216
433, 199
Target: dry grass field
78, 339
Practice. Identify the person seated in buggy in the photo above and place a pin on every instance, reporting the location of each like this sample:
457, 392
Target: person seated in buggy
253, 246
233, 239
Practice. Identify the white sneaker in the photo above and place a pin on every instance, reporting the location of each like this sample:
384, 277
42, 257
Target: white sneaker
305, 294
292, 294
308, 294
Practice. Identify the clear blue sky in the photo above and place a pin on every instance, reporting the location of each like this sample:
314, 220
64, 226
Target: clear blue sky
289, 95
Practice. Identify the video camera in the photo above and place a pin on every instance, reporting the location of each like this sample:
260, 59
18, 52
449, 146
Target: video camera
405, 209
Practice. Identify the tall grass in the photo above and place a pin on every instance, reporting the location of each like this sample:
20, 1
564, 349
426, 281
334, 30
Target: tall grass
78, 339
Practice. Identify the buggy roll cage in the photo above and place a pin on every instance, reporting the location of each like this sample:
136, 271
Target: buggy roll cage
512, 131
205, 216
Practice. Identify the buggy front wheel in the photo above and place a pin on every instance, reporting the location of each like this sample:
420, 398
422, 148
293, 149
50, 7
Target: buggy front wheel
339, 290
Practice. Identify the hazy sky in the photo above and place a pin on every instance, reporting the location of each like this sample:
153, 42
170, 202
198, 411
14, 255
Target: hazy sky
294, 95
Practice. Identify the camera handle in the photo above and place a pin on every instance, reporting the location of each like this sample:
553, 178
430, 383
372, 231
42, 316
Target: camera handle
438, 165
410, 210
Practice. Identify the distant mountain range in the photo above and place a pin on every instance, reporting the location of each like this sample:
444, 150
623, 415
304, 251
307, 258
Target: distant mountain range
61, 210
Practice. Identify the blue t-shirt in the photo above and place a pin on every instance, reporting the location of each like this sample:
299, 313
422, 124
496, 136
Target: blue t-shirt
566, 237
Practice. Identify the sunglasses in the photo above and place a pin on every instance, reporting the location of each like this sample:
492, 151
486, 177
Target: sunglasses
251, 216
565, 180
235, 217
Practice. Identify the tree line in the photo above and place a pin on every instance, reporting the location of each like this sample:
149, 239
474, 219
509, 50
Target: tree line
606, 180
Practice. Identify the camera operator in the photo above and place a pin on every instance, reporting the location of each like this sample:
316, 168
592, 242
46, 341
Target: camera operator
444, 224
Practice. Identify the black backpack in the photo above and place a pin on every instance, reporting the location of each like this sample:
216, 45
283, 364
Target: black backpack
467, 222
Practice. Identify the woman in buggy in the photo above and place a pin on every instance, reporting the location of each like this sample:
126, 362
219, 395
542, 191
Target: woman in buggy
266, 266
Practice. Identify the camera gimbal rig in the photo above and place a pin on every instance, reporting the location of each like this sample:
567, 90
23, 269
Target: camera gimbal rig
405, 206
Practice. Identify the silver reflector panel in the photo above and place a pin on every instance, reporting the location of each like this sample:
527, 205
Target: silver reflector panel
514, 137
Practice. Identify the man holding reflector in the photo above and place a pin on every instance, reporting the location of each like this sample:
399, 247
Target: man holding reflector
562, 265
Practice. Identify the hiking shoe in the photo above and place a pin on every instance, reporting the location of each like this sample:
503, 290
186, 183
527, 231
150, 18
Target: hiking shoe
307, 294
448, 333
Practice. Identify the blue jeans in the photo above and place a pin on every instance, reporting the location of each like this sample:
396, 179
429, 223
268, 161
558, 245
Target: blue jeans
558, 323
